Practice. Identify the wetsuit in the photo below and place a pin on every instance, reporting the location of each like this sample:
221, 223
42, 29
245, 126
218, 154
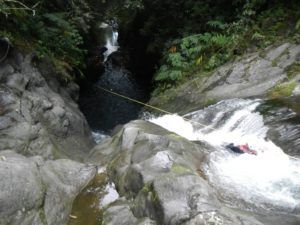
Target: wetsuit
241, 149
234, 148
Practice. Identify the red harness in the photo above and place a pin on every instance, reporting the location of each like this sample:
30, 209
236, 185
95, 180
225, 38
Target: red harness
246, 149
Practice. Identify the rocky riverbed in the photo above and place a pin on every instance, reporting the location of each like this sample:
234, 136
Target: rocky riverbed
48, 156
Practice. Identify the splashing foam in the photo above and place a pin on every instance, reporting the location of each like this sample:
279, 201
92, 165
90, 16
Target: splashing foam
111, 44
271, 177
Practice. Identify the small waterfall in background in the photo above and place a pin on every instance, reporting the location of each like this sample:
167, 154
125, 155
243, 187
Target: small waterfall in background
111, 38
270, 180
103, 110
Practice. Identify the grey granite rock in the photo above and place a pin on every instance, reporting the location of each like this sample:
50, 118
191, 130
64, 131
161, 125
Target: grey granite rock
37, 118
35, 192
160, 175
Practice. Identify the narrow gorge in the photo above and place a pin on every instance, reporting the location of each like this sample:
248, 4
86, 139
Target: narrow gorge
121, 112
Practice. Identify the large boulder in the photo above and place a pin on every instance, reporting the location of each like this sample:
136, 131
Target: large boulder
35, 192
37, 115
253, 75
161, 176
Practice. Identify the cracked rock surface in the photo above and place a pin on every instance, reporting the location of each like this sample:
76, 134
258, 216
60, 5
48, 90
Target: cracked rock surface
34, 191
37, 115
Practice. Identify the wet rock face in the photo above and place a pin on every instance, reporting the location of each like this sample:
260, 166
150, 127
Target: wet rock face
37, 115
33, 191
160, 175
283, 119
253, 75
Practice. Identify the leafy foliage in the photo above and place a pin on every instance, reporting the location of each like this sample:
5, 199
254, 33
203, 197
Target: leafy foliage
52, 28
203, 52
191, 37
8, 7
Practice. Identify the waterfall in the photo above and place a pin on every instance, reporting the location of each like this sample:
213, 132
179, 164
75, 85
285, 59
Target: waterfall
111, 39
103, 110
269, 180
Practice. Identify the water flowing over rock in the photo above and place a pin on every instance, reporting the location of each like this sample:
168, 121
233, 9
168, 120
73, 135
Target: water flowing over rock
37, 114
160, 174
34, 191
252, 75
265, 183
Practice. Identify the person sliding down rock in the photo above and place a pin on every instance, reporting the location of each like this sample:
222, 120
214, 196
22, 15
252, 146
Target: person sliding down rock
241, 149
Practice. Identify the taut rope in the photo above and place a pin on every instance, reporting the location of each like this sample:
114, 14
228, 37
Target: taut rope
151, 106
161, 110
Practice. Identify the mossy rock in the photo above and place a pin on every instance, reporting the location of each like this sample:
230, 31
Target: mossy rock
178, 169
282, 90
293, 70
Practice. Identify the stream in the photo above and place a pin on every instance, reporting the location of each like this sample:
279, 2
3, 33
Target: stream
103, 110
266, 182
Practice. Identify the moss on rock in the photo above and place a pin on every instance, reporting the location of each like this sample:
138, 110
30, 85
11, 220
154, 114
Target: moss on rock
282, 90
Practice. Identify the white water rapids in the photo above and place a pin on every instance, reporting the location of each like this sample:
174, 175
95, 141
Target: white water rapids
270, 179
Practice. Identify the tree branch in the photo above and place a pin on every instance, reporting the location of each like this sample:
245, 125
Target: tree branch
24, 7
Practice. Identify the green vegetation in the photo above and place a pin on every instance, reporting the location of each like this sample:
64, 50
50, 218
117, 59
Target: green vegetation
191, 38
199, 54
178, 169
209, 101
52, 28
189, 54
293, 70
182, 39
148, 190
282, 90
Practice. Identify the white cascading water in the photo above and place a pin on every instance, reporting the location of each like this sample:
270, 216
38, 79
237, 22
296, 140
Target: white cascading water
269, 179
99, 136
111, 39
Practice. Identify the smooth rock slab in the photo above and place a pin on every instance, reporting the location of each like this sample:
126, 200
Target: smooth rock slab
252, 75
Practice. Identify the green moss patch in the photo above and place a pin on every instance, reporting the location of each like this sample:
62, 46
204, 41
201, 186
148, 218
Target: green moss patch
282, 90
178, 169
293, 70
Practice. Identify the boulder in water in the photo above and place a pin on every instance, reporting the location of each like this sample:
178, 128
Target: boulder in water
160, 172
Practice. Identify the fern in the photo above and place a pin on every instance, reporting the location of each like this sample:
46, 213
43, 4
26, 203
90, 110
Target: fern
194, 52
175, 60
257, 36
220, 40
58, 20
217, 24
